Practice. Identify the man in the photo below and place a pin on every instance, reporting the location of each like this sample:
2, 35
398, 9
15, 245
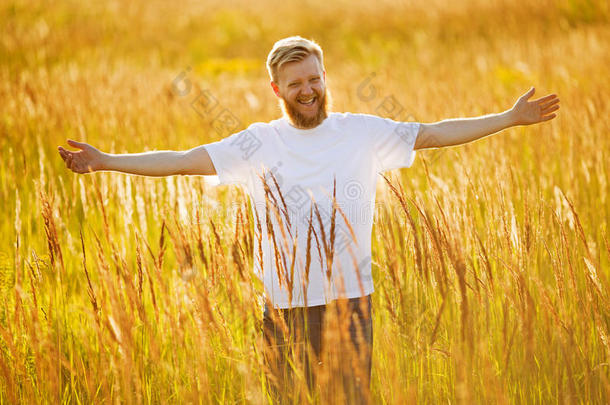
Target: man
311, 177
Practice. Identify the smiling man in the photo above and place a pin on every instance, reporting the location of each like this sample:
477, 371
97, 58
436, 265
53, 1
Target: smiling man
311, 177
300, 87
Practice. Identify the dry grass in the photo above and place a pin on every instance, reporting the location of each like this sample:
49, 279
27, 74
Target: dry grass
491, 261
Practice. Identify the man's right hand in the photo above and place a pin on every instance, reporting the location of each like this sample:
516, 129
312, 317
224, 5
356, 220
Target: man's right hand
88, 159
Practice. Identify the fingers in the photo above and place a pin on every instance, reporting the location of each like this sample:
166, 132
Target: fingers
550, 109
79, 145
546, 99
65, 155
68, 157
549, 117
529, 93
62, 152
73, 162
549, 104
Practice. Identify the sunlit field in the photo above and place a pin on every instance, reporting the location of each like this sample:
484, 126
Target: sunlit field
491, 261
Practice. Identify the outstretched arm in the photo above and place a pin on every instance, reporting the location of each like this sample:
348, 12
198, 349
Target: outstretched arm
157, 163
463, 130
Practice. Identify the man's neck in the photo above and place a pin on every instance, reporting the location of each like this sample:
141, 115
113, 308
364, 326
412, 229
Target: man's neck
296, 126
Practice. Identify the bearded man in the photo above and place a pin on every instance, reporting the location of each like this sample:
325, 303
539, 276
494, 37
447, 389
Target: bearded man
311, 177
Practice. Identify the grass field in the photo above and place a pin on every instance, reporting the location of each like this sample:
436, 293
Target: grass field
491, 261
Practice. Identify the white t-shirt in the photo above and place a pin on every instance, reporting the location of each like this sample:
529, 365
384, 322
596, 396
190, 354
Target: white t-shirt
351, 148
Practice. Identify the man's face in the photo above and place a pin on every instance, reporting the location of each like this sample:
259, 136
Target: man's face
302, 92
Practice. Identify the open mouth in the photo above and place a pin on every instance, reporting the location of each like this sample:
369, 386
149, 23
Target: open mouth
307, 102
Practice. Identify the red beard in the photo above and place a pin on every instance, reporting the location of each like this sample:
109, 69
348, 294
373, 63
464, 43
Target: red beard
301, 121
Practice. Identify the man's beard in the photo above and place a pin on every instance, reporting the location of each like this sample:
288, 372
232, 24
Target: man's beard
301, 121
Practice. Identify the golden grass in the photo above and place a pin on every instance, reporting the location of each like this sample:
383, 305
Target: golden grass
491, 260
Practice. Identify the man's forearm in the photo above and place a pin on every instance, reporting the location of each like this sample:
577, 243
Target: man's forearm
156, 163
462, 130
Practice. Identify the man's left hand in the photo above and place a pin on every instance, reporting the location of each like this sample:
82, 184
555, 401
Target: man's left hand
526, 112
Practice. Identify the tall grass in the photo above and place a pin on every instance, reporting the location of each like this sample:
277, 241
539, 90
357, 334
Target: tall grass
491, 260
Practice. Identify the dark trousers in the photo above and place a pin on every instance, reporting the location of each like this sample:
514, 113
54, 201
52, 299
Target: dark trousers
327, 346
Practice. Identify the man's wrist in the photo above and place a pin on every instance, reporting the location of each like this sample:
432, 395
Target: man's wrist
105, 162
511, 120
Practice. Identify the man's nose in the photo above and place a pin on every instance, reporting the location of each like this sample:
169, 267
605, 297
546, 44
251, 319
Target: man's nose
307, 89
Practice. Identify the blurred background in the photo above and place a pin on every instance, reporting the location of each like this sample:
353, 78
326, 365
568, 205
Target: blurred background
122, 288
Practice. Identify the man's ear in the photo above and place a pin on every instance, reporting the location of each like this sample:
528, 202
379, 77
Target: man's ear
276, 89
324, 75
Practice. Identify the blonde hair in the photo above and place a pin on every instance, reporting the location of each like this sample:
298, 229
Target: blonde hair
291, 49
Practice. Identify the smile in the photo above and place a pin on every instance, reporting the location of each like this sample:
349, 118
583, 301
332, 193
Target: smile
309, 103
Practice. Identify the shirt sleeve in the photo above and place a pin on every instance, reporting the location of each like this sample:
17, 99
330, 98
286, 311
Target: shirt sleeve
232, 156
393, 141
